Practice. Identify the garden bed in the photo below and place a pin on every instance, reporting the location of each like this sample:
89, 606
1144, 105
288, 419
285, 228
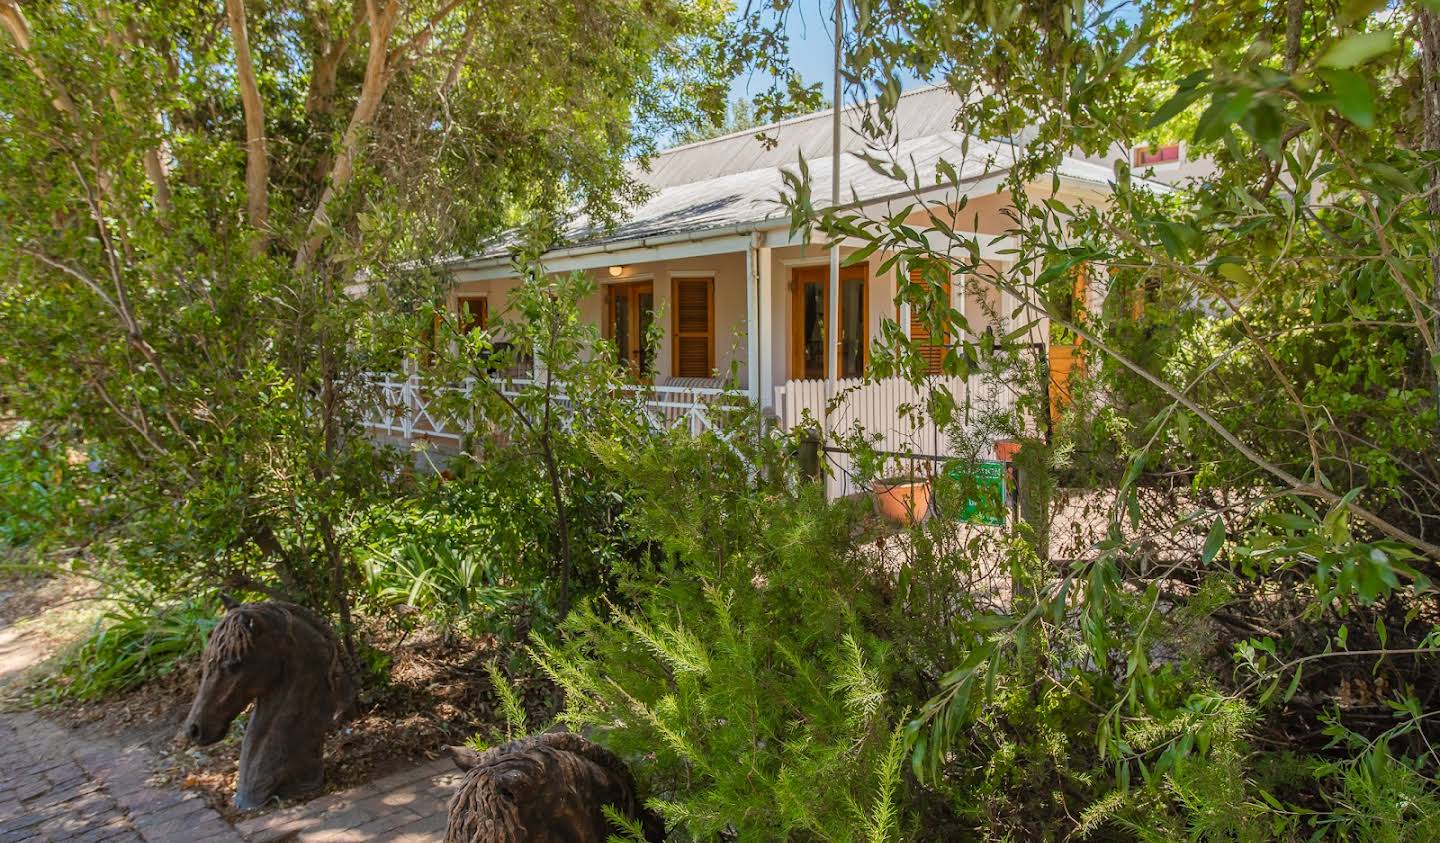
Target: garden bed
438, 694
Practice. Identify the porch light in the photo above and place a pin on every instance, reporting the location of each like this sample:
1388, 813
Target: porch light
617, 271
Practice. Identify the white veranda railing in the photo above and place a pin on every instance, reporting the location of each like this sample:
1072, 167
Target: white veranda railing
408, 409
891, 412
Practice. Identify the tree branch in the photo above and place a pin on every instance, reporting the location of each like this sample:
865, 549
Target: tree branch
421, 38
134, 422
1299, 486
1430, 113
19, 28
154, 167
372, 90
257, 160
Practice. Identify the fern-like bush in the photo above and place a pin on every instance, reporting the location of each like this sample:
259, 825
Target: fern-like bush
737, 665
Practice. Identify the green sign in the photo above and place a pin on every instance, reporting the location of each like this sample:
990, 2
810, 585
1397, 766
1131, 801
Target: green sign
980, 486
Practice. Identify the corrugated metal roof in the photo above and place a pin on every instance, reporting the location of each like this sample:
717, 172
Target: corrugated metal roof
918, 113
754, 195
736, 180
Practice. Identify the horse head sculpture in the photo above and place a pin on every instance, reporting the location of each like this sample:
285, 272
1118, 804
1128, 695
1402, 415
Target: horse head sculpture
550, 788
286, 660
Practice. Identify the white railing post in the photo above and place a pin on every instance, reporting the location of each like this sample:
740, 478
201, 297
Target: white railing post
409, 399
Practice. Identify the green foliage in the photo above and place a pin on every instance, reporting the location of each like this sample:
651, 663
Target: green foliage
439, 581
1258, 428
516, 724
134, 642
38, 486
1384, 798
180, 250
449, 550
738, 659
533, 449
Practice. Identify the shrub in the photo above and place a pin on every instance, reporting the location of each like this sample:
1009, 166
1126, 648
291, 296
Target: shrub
37, 486
134, 642
739, 661
446, 584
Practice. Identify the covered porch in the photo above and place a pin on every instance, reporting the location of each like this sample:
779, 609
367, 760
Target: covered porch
747, 308
732, 316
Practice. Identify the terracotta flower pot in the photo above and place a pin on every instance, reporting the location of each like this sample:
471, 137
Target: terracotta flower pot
902, 500
1006, 449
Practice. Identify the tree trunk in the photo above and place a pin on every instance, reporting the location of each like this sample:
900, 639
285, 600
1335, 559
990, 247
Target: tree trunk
330, 408
1294, 18
1430, 142
257, 159
377, 77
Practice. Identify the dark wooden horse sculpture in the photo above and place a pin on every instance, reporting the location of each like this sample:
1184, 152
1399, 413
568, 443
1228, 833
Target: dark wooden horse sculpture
285, 658
550, 788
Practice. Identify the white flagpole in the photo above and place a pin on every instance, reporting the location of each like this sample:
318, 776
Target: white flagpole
833, 334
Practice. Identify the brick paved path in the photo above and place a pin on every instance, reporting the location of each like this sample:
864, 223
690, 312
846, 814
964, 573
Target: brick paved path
406, 807
56, 787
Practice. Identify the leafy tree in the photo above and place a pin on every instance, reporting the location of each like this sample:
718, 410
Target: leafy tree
739, 116
195, 191
1264, 366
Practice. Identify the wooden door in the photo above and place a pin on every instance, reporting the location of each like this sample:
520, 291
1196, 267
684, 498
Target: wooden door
810, 321
932, 347
629, 312
474, 312
692, 300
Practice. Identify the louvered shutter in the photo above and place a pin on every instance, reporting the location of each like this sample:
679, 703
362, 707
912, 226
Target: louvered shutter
932, 349
694, 327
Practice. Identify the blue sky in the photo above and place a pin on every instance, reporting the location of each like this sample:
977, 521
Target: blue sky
811, 29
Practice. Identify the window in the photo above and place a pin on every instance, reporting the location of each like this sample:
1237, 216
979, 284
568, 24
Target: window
810, 313
474, 312
693, 303
629, 312
1168, 154
931, 348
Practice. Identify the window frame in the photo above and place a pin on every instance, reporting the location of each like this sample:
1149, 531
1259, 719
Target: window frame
860, 272
1169, 153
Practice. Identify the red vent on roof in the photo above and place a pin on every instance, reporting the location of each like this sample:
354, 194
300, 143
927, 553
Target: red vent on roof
1144, 155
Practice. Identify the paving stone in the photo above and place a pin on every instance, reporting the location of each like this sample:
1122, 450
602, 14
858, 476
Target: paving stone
150, 800
115, 827
170, 823
396, 821
56, 787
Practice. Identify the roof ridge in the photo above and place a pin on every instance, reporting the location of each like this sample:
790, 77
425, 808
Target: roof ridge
789, 121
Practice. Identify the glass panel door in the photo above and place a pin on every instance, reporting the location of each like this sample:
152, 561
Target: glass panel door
810, 313
812, 347
645, 304
620, 324
630, 310
852, 327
